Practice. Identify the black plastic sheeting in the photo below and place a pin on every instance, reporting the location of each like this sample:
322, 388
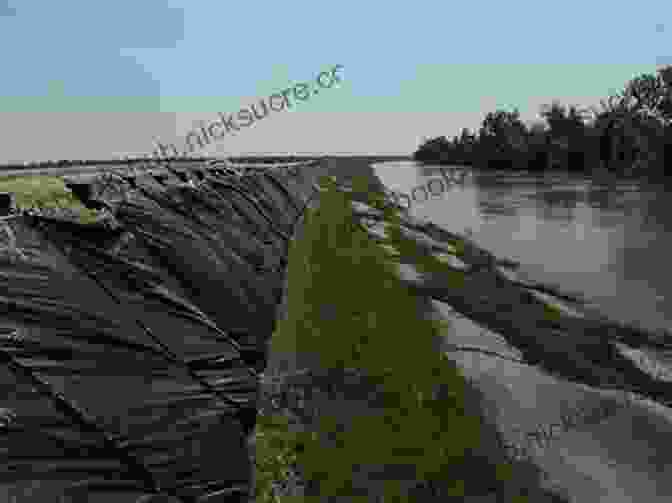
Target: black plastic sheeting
131, 350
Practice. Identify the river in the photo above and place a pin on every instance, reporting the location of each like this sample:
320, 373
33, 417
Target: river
607, 239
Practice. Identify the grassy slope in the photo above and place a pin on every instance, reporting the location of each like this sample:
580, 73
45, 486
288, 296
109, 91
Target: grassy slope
45, 192
347, 309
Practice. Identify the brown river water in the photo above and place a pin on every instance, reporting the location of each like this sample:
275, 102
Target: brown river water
608, 239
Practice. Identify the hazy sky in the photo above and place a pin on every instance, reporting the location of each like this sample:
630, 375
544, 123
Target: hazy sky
93, 79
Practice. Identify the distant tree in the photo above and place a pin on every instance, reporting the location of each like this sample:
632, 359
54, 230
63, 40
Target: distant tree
631, 127
433, 150
505, 130
536, 128
649, 95
562, 121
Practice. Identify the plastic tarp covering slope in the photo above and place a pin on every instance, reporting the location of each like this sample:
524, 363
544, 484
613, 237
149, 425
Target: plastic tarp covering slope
130, 350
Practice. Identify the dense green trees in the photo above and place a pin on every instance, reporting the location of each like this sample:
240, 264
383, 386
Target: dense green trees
631, 132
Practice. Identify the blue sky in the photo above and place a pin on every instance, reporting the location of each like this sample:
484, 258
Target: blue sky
101, 79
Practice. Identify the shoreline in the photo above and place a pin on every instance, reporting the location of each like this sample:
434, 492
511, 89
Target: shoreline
563, 343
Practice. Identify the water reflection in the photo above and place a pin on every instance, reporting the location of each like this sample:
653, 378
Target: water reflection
608, 238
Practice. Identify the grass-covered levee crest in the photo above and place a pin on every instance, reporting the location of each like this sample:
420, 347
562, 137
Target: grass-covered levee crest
387, 415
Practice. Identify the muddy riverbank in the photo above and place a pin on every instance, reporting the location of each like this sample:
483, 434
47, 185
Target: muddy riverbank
537, 353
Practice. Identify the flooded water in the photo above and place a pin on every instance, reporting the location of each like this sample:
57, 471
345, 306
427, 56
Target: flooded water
608, 239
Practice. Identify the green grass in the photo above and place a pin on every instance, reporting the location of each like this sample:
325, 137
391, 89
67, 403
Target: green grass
41, 192
276, 449
375, 329
552, 313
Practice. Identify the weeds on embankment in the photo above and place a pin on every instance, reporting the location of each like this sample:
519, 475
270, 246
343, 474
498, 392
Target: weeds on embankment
410, 438
46, 192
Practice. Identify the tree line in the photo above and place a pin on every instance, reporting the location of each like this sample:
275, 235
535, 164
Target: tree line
629, 133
